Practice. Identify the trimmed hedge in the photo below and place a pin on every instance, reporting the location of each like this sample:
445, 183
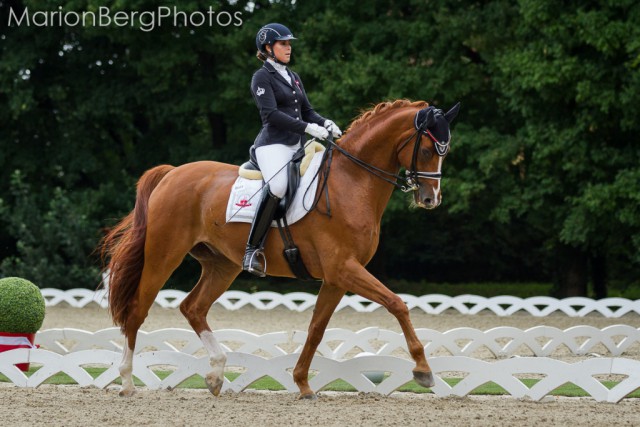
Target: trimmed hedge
21, 306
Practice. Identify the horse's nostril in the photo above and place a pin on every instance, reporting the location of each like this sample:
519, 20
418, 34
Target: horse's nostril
427, 202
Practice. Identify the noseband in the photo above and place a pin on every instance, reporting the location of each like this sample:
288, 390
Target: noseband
409, 182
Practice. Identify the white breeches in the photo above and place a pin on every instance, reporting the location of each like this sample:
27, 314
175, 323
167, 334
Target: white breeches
272, 160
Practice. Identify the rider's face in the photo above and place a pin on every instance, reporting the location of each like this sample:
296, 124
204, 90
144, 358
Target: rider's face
282, 50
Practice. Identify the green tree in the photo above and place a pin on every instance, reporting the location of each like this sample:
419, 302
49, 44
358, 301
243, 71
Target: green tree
54, 238
88, 109
570, 75
542, 181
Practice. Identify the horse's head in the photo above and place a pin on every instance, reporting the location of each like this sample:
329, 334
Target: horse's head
430, 146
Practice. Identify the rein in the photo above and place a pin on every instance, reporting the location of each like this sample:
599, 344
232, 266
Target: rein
407, 183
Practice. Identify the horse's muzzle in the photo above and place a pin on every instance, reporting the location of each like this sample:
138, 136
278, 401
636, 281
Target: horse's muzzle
430, 203
427, 198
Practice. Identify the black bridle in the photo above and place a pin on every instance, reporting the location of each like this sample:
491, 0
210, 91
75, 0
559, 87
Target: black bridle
409, 182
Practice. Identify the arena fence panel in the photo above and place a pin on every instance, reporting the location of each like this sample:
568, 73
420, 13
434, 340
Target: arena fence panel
351, 357
476, 372
431, 304
499, 342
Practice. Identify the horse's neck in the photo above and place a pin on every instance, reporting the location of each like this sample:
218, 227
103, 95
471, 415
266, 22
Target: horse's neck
375, 141
375, 145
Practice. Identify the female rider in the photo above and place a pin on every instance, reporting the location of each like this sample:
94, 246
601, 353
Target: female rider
286, 116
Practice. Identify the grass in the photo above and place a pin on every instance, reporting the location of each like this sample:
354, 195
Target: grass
268, 383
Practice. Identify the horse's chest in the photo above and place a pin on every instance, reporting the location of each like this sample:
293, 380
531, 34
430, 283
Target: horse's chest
364, 240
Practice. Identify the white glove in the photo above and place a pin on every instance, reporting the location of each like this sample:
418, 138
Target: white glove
317, 131
333, 128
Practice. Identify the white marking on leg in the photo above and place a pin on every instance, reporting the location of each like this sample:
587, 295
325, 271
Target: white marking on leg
126, 372
217, 357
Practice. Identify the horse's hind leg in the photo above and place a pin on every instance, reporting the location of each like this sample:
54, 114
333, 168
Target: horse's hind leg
151, 282
328, 299
217, 274
159, 263
357, 279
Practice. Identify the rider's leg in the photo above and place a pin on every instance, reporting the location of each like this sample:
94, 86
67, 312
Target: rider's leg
272, 160
253, 255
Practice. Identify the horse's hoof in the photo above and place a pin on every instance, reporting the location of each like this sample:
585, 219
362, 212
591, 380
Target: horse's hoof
311, 396
425, 379
127, 392
214, 384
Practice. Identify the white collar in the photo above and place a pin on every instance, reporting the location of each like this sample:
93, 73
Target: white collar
279, 67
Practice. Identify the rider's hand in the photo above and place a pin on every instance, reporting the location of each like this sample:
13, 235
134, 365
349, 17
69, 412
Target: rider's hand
317, 131
333, 128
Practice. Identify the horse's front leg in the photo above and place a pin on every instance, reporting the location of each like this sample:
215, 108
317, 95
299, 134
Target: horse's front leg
328, 299
355, 278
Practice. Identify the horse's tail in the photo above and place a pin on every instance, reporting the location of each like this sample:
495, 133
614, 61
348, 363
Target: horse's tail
123, 246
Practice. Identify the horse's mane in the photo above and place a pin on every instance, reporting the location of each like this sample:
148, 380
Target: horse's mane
384, 107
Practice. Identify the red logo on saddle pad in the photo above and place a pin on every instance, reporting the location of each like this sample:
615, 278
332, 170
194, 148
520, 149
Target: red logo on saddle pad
243, 203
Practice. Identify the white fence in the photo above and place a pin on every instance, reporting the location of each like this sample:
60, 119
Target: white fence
500, 342
476, 372
479, 357
256, 356
431, 304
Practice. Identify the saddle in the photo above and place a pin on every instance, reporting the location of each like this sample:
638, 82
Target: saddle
295, 169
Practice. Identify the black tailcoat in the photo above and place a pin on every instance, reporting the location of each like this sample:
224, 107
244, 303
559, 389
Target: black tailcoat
284, 108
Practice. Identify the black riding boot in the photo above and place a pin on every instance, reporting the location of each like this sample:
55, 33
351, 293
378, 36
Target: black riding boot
259, 228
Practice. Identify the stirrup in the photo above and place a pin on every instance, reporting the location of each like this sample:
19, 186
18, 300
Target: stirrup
249, 267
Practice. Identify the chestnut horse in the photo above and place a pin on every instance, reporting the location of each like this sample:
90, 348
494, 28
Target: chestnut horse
181, 210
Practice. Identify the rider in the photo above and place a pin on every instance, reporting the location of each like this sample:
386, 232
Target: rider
286, 116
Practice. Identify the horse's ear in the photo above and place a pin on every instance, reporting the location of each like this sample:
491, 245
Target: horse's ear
452, 113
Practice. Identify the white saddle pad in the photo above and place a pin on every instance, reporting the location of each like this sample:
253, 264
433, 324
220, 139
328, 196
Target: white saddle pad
246, 193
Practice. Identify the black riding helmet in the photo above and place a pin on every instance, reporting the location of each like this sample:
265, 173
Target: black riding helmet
269, 34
